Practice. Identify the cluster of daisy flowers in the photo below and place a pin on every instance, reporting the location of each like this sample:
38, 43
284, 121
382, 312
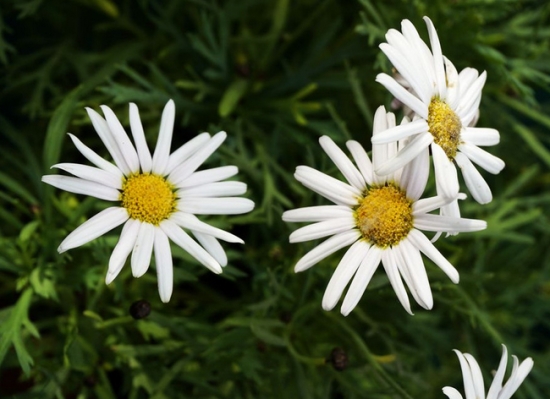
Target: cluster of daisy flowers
378, 211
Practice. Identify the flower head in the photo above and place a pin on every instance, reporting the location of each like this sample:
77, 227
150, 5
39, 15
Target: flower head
380, 217
473, 380
158, 196
445, 104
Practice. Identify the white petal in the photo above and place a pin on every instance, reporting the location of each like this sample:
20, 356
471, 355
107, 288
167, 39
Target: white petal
467, 76
453, 84
413, 149
452, 393
422, 54
415, 175
430, 222
420, 241
476, 184
477, 377
215, 206
104, 133
399, 92
144, 155
220, 189
400, 132
430, 204
417, 271
438, 59
208, 176
390, 265
469, 389
104, 221
496, 385
322, 229
470, 94
81, 186
185, 151
344, 272
326, 248
94, 158
185, 169
165, 269
317, 213
334, 190
342, 162
362, 160
191, 222
92, 174
162, 150
122, 249
481, 136
122, 140
445, 173
517, 377
143, 248
213, 247
182, 239
361, 280
481, 157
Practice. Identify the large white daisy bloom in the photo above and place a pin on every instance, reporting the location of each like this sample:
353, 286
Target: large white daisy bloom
473, 380
158, 196
380, 217
445, 103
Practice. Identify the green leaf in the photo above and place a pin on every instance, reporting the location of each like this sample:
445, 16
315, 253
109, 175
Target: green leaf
232, 96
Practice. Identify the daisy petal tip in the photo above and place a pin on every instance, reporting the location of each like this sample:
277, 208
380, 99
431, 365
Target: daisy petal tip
109, 278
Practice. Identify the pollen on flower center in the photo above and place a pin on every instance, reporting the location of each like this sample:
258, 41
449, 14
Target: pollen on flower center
148, 198
384, 216
445, 126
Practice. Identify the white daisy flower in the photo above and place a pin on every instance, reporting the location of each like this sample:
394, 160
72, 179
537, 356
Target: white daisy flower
158, 196
445, 104
473, 380
380, 217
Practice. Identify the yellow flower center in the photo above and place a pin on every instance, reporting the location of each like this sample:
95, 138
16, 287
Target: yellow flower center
445, 126
148, 198
384, 216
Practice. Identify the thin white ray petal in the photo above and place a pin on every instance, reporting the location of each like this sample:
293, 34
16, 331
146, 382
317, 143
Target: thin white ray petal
400, 132
208, 176
121, 139
419, 276
517, 377
344, 272
437, 58
182, 239
96, 226
414, 148
467, 76
476, 184
481, 157
91, 156
420, 241
496, 385
431, 222
185, 169
361, 159
445, 173
477, 377
333, 189
215, 206
185, 151
390, 265
212, 246
322, 229
143, 248
326, 248
191, 222
399, 92
104, 133
165, 269
92, 174
453, 84
362, 279
406, 274
415, 175
481, 136
144, 155
422, 54
468, 115
469, 389
81, 186
342, 162
162, 150
430, 204
219, 189
452, 393
122, 249
317, 213
470, 94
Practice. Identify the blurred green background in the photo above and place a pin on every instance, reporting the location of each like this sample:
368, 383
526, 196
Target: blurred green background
276, 75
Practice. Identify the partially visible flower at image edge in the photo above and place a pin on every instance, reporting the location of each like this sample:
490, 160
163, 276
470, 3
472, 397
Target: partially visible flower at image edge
159, 196
473, 379
379, 217
444, 103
